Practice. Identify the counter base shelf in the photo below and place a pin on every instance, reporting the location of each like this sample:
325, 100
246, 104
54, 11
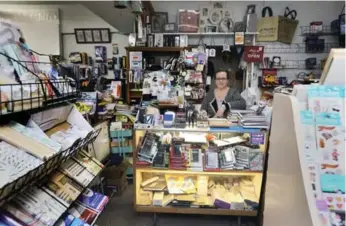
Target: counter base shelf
146, 169
202, 211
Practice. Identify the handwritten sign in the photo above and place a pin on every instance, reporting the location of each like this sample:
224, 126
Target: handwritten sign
253, 53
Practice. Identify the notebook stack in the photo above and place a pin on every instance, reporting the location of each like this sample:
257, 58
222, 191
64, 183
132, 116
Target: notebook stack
250, 120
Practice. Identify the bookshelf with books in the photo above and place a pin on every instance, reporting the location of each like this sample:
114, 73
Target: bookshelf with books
216, 171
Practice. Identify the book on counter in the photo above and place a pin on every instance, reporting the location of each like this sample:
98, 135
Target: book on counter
84, 213
62, 188
93, 200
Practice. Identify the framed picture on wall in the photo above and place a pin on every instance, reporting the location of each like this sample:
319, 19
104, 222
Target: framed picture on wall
96, 36
80, 36
88, 36
106, 35
92, 35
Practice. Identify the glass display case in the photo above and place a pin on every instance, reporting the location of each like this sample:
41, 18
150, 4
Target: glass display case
199, 170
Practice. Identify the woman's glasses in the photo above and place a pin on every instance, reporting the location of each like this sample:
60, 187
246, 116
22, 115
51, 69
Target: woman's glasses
221, 79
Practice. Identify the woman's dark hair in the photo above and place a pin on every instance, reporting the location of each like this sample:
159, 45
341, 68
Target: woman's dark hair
224, 70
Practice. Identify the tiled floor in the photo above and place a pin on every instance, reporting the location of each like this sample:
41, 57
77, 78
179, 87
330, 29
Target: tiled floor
119, 212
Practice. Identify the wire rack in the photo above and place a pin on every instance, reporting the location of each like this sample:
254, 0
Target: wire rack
323, 30
292, 64
11, 188
298, 48
37, 93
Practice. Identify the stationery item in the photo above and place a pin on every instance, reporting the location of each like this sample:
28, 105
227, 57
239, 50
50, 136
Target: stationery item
66, 220
93, 200
84, 213
144, 198
15, 163
330, 143
158, 185
19, 213
91, 164
40, 205
6, 220
39, 146
77, 172
158, 199
149, 181
180, 184
62, 188
211, 160
167, 199
202, 185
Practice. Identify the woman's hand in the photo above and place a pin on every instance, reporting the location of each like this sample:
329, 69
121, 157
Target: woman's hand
220, 112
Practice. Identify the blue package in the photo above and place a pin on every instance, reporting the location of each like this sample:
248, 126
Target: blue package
6, 220
333, 183
79, 222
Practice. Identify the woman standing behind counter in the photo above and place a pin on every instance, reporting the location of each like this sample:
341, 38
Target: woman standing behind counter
222, 99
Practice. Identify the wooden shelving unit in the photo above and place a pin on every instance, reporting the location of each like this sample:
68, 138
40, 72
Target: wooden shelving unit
132, 94
155, 49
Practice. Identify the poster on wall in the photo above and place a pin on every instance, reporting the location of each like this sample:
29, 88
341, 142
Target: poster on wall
115, 48
101, 53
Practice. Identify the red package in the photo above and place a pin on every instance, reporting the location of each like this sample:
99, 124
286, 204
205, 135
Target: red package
188, 21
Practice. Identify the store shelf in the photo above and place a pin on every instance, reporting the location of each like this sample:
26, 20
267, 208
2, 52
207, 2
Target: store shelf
297, 48
155, 49
36, 95
231, 129
21, 183
292, 64
145, 169
203, 211
211, 33
325, 30
91, 182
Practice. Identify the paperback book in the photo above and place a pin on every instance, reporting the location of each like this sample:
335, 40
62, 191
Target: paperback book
91, 164
93, 200
62, 188
77, 172
84, 213
40, 205
6, 220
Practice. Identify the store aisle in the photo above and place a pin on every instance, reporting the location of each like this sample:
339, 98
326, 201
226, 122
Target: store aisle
120, 212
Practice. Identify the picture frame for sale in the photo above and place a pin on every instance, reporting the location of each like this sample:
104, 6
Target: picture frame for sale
169, 28
211, 29
158, 20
